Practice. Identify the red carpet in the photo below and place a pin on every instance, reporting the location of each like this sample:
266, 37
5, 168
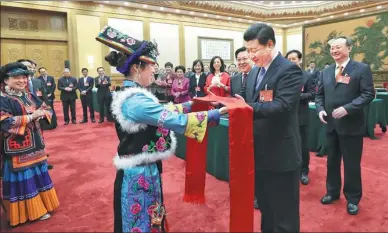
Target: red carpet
83, 176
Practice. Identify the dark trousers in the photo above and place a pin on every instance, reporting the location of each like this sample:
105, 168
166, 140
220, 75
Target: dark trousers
66, 105
350, 148
51, 103
87, 101
104, 100
277, 194
303, 130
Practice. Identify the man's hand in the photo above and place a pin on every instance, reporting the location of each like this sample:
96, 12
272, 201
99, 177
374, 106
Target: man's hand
68, 89
83, 93
340, 112
239, 97
321, 114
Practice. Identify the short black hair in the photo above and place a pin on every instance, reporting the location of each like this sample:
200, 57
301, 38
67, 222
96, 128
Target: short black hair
242, 49
84, 69
327, 64
298, 53
260, 31
180, 68
222, 68
41, 68
168, 64
196, 62
100, 68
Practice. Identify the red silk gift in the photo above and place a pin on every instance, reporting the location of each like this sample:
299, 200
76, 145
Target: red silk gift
241, 162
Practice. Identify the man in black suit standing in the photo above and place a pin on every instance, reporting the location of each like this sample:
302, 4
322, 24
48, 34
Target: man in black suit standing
273, 91
307, 94
315, 72
49, 84
85, 86
68, 85
103, 84
345, 88
245, 65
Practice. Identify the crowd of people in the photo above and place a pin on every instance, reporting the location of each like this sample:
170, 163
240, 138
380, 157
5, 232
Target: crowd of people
276, 88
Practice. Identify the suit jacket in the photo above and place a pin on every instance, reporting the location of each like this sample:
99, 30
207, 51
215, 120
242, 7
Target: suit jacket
50, 86
235, 84
315, 75
39, 90
306, 95
68, 82
88, 87
201, 85
103, 89
277, 146
353, 97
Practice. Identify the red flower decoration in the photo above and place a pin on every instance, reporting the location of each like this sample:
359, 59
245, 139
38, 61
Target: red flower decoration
135, 209
370, 23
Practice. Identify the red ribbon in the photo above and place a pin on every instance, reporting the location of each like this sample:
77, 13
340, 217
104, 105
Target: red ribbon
241, 162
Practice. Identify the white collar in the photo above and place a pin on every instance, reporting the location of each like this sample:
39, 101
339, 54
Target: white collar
275, 53
343, 64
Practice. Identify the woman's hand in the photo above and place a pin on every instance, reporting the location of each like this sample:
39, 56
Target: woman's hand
37, 114
223, 110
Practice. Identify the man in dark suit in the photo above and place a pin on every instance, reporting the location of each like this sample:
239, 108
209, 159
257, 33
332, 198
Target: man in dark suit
273, 91
245, 65
85, 86
345, 88
315, 72
307, 94
68, 85
103, 84
49, 85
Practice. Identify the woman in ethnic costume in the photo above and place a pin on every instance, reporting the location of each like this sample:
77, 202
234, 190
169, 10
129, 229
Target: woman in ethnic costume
28, 192
145, 133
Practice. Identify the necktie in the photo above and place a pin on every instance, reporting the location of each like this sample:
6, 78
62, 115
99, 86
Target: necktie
245, 76
260, 78
339, 74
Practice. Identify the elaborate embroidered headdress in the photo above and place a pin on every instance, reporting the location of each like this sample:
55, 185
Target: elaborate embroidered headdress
130, 49
13, 69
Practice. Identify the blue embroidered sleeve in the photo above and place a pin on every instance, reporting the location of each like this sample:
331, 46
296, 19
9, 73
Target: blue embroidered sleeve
141, 109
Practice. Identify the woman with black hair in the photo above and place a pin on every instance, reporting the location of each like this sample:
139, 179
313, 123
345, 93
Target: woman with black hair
28, 192
197, 80
146, 135
218, 81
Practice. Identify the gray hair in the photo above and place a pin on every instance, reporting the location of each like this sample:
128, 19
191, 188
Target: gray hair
66, 70
348, 41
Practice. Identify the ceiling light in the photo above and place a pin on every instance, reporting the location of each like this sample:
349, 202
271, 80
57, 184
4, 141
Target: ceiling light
240, 20
268, 23
318, 19
217, 16
191, 13
282, 2
306, 21
362, 10
205, 15
293, 1
346, 13
106, 1
303, 1
250, 21
229, 18
261, 1
162, 8
271, 3
126, 3
177, 11
331, 16
145, 6
379, 7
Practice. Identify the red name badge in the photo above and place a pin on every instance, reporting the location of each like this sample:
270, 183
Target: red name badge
70, 85
266, 96
345, 79
49, 84
197, 89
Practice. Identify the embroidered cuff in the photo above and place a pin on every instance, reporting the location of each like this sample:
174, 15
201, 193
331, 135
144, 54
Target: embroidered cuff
196, 125
179, 108
214, 117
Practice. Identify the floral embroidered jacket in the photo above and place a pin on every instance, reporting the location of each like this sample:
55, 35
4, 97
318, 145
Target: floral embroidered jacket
22, 139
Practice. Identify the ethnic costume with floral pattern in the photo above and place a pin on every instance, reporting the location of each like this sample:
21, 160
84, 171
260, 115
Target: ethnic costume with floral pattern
28, 192
145, 132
